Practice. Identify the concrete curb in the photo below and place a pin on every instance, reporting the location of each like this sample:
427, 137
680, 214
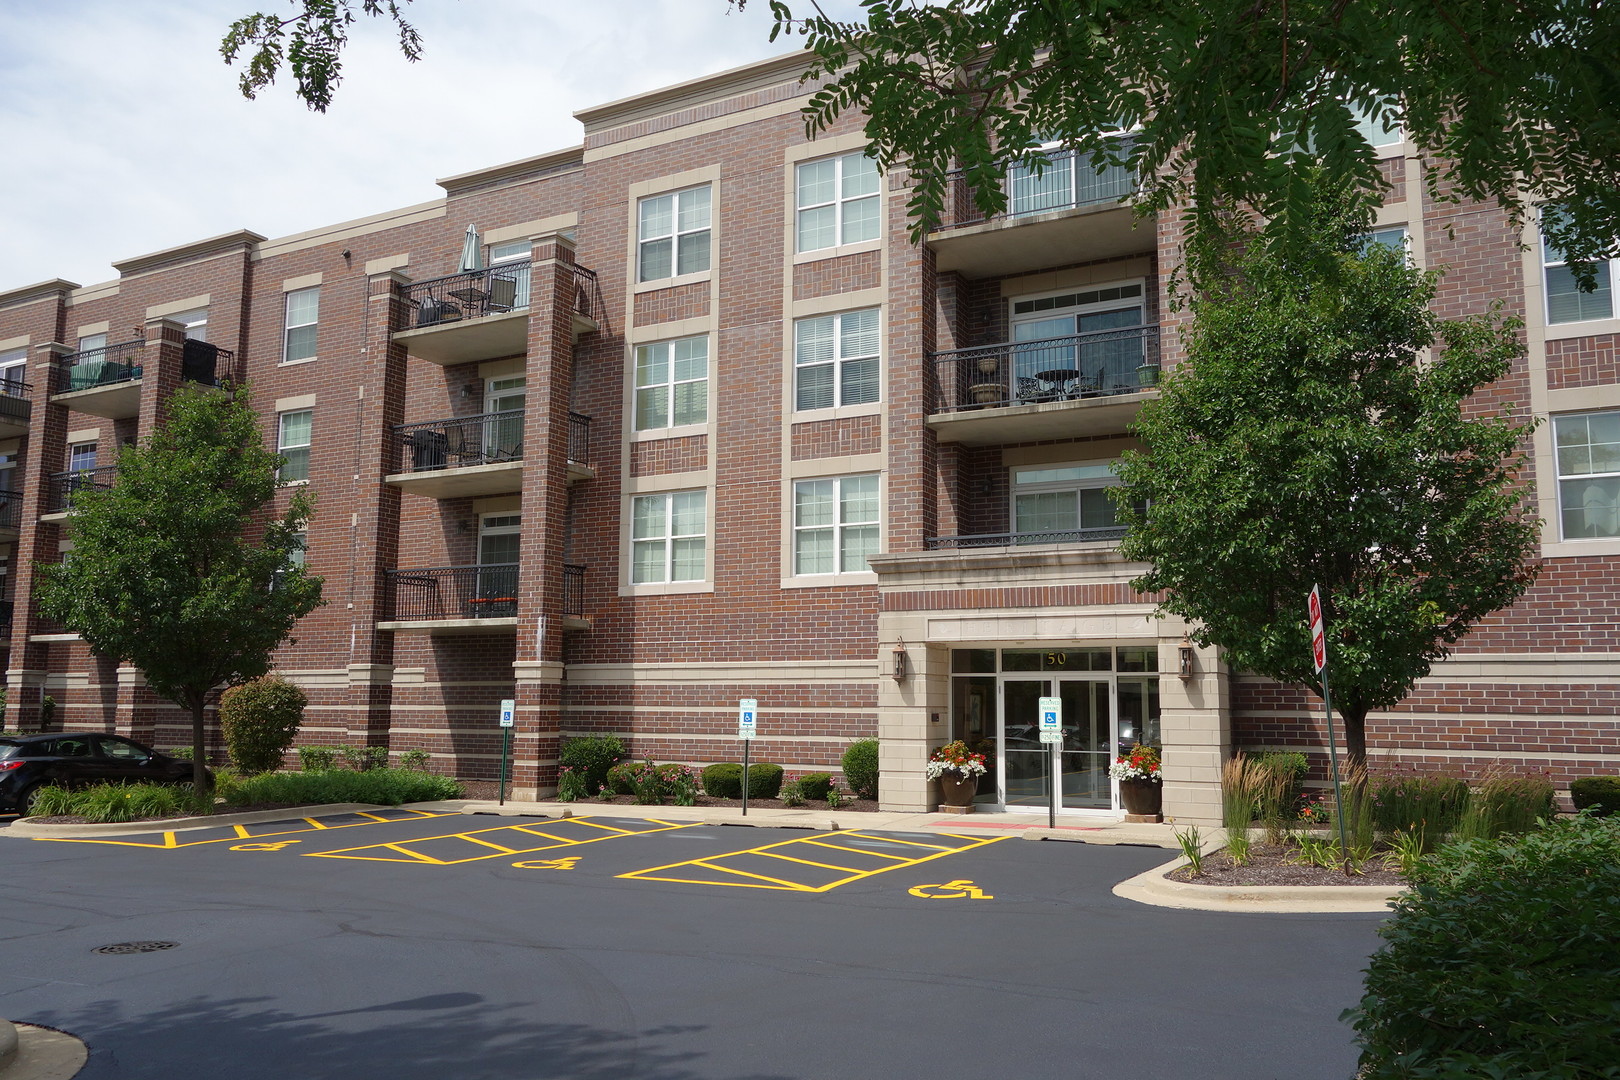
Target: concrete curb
1152, 887
28, 828
8, 1043
39, 1053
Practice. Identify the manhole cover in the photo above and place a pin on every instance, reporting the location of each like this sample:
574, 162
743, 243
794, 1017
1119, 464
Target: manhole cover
125, 947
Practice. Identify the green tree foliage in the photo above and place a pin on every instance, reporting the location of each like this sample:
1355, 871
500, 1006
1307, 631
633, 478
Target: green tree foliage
260, 720
1230, 100
310, 41
1308, 442
175, 570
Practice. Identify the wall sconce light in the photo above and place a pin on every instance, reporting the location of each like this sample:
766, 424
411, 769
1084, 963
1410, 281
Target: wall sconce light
463, 526
468, 391
1186, 649
902, 663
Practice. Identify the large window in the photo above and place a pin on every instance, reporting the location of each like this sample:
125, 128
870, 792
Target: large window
1054, 503
1588, 474
836, 360
81, 457
668, 540
1394, 237
13, 371
195, 321
510, 262
838, 202
672, 383
1384, 131
292, 443
674, 234
1565, 302
303, 312
835, 524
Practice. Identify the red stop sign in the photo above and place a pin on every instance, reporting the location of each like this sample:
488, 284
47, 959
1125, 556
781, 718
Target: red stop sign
1318, 638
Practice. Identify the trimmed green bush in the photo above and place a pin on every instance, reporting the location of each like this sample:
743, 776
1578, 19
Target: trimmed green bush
1501, 963
416, 760
1600, 793
814, 786
317, 758
764, 781
260, 720
621, 779
860, 764
386, 787
364, 758
592, 756
181, 752
723, 781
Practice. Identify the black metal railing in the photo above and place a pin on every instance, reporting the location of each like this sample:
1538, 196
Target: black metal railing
11, 509
471, 294
587, 294
1069, 180
105, 366
579, 438
64, 486
573, 597
1113, 533
208, 364
14, 399
1094, 364
454, 592
7, 609
463, 441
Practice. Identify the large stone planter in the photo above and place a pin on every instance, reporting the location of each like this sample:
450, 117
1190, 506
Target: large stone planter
1143, 799
957, 790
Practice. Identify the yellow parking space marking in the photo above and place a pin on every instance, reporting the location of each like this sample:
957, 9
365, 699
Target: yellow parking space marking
962, 889
453, 849
171, 840
744, 869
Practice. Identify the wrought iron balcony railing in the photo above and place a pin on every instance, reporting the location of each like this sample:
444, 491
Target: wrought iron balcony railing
1113, 533
489, 591
463, 441
11, 509
105, 366
579, 438
1069, 180
1099, 363
64, 486
504, 287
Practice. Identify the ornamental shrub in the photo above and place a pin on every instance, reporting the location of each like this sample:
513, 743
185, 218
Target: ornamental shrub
814, 786
1287, 768
621, 778
1504, 803
723, 781
860, 763
764, 781
317, 758
1502, 962
592, 756
1429, 805
260, 720
680, 784
387, 787
1600, 793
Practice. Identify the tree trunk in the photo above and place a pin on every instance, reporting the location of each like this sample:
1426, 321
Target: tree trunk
1355, 740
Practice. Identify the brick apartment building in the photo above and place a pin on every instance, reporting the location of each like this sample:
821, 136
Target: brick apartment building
691, 420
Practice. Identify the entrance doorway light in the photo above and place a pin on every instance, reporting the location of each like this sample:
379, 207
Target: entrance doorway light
1186, 668
902, 663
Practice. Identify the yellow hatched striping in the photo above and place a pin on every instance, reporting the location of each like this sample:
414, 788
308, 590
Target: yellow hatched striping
404, 846
775, 883
859, 851
491, 844
810, 862
171, 840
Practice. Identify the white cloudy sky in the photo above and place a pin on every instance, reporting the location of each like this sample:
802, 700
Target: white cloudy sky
124, 133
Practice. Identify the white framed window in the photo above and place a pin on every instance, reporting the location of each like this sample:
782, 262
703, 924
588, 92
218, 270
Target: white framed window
511, 262
1066, 180
1588, 449
838, 201
13, 371
292, 443
303, 313
1064, 502
672, 383
81, 457
669, 537
673, 234
1377, 132
835, 524
835, 360
195, 321
92, 343
1393, 237
300, 549
1565, 302
1075, 344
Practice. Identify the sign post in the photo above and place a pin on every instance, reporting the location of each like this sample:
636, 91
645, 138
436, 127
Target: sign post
747, 728
1051, 709
508, 708
1320, 658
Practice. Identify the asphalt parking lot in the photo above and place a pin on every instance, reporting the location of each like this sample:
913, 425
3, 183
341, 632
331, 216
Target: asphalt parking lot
401, 944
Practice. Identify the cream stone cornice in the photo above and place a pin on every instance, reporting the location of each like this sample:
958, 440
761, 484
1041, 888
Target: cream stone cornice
723, 84
224, 244
56, 288
548, 162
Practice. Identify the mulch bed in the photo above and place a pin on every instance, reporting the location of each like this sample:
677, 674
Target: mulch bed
1271, 865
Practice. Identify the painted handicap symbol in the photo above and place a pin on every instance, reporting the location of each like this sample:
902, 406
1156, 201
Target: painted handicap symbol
548, 864
961, 889
276, 846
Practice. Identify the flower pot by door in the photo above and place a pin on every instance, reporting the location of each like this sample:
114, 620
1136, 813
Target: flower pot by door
956, 789
1141, 796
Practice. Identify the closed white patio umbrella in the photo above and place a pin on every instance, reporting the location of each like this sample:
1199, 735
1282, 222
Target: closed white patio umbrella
472, 251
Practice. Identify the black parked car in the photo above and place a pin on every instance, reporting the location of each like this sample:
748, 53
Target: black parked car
78, 758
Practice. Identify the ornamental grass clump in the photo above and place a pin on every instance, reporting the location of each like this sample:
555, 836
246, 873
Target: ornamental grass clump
1240, 780
1504, 803
956, 759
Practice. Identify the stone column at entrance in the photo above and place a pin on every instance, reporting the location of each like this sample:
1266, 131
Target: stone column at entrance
1195, 723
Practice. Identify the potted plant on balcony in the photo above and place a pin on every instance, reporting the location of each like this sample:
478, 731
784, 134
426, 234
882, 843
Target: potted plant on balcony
1147, 374
958, 770
1141, 780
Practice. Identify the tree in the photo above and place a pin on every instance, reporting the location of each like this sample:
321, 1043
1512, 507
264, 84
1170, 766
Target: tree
311, 41
1306, 441
174, 570
1231, 102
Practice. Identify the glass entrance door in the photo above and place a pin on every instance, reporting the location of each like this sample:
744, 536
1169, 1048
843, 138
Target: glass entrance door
1088, 740
1025, 760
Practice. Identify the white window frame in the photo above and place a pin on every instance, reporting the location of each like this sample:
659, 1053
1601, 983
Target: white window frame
82, 456
13, 371
838, 528
843, 357
647, 354
1552, 260
507, 253
283, 446
195, 321
840, 203
667, 539
288, 326
675, 233
1379, 235
1567, 480
1093, 475
1379, 134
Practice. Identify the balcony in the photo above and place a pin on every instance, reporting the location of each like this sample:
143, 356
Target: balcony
483, 314
11, 503
1054, 388
1113, 534
102, 382
447, 600
1071, 213
64, 487
477, 455
15, 407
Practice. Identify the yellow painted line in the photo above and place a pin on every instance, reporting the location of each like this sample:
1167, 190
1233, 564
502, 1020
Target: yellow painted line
859, 851
413, 854
913, 843
171, 839
557, 842
486, 843
778, 883
810, 862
